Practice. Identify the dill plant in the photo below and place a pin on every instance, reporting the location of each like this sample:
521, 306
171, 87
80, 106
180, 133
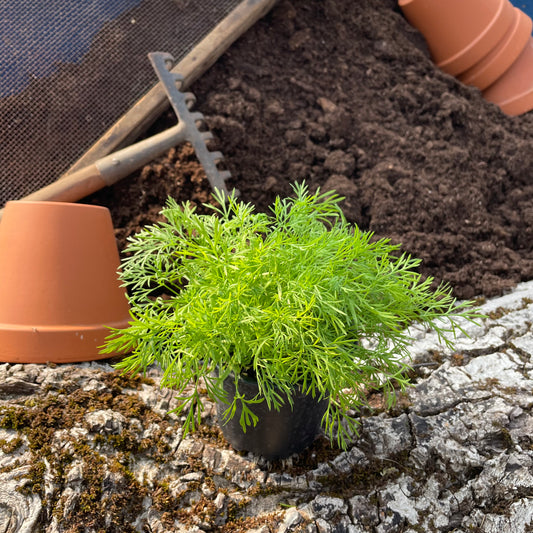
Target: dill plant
296, 298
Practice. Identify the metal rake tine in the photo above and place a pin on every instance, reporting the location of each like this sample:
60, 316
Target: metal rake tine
217, 156
225, 174
198, 117
190, 100
197, 138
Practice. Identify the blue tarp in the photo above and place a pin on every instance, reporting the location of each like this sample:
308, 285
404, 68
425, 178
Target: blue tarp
36, 36
525, 5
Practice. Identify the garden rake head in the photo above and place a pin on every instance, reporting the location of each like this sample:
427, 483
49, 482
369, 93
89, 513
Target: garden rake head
181, 103
112, 168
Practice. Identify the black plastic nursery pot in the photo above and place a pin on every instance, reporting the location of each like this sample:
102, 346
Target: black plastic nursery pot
278, 434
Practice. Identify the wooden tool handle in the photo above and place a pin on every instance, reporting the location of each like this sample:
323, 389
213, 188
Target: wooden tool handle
109, 169
70, 188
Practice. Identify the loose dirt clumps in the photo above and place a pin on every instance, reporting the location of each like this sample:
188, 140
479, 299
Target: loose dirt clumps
345, 96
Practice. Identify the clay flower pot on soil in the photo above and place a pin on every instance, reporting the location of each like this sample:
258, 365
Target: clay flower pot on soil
59, 288
480, 42
502, 56
513, 92
459, 33
299, 299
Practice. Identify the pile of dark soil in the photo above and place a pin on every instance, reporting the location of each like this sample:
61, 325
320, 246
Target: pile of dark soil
344, 95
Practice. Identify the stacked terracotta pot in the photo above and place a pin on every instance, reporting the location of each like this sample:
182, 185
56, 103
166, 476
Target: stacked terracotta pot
484, 43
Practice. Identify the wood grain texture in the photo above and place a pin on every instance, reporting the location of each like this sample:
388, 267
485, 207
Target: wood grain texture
19, 513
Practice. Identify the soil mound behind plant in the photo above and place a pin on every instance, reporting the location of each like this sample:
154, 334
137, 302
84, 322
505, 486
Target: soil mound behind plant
345, 96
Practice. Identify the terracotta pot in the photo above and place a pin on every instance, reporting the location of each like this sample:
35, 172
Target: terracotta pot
278, 434
460, 33
513, 92
502, 56
59, 287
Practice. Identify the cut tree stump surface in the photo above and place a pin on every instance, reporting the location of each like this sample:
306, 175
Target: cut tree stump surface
81, 445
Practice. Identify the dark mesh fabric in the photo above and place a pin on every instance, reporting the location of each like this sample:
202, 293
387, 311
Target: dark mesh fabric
70, 69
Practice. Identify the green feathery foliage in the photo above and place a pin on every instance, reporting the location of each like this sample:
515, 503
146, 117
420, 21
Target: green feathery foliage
298, 297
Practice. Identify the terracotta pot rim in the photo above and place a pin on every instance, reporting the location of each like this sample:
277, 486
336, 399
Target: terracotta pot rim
82, 328
459, 35
513, 91
455, 64
493, 65
61, 344
57, 204
517, 104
